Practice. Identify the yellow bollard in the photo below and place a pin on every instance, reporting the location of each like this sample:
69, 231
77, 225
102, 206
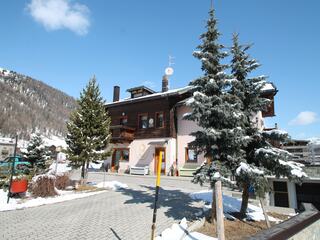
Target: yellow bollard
153, 227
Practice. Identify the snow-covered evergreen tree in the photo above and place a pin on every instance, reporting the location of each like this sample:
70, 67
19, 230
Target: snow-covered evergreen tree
88, 129
36, 153
262, 158
216, 111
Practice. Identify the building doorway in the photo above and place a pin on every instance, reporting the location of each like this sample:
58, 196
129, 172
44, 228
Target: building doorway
308, 193
119, 155
159, 151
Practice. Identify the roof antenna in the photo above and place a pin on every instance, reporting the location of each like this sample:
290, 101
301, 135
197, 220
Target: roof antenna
211, 5
168, 72
169, 69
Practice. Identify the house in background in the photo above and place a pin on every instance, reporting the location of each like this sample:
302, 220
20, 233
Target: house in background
286, 193
150, 123
6, 147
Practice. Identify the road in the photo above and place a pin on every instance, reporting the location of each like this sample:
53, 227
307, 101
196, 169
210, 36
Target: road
125, 214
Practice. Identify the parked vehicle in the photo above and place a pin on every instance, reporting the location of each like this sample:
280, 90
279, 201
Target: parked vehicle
21, 165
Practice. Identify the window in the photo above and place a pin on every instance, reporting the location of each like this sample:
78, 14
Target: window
5, 151
137, 95
191, 155
143, 121
159, 120
123, 120
121, 154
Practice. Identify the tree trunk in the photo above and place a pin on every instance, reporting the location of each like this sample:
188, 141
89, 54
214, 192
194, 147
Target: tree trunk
245, 200
265, 213
82, 173
213, 208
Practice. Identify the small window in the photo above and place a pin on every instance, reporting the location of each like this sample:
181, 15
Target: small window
191, 155
5, 152
137, 95
123, 120
159, 120
143, 121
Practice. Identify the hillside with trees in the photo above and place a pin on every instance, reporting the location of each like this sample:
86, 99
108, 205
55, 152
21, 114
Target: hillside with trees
28, 105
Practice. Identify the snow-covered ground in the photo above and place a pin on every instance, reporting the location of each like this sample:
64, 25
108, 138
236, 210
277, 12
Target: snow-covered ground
180, 232
231, 204
16, 203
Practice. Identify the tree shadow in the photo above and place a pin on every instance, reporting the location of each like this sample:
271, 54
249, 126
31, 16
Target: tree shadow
177, 203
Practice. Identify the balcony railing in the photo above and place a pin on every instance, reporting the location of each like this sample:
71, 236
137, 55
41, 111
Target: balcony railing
122, 133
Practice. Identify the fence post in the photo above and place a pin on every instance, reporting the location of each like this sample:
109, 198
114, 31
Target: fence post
219, 210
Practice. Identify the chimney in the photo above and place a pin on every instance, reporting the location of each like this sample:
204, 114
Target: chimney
165, 82
116, 93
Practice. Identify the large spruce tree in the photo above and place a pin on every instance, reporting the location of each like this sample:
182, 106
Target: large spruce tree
262, 158
216, 111
88, 129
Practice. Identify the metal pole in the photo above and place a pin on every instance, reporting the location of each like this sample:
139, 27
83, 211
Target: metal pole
12, 168
153, 227
104, 178
56, 167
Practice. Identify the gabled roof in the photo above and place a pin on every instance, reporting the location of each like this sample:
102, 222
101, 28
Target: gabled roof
268, 88
172, 92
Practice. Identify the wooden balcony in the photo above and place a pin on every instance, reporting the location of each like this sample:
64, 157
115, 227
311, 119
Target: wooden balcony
122, 133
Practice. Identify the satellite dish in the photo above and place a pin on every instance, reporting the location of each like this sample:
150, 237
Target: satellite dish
169, 71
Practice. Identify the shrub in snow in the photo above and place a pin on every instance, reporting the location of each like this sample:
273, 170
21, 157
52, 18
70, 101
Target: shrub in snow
62, 181
43, 186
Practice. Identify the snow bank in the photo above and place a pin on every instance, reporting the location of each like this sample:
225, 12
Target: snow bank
113, 185
180, 232
26, 203
231, 204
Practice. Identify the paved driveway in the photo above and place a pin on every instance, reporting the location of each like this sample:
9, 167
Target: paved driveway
125, 214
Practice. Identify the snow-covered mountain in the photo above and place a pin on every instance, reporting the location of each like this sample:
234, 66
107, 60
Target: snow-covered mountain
28, 105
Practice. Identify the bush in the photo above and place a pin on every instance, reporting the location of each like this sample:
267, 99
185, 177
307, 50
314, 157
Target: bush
62, 181
43, 186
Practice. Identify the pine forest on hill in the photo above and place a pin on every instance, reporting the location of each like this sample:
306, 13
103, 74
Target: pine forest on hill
28, 105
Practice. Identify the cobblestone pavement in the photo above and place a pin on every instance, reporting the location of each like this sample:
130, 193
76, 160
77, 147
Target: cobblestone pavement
126, 214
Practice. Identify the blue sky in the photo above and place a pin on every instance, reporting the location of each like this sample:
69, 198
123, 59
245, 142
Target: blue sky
127, 43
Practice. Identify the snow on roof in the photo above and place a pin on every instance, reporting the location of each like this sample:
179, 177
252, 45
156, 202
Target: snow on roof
314, 141
4, 140
268, 87
159, 94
